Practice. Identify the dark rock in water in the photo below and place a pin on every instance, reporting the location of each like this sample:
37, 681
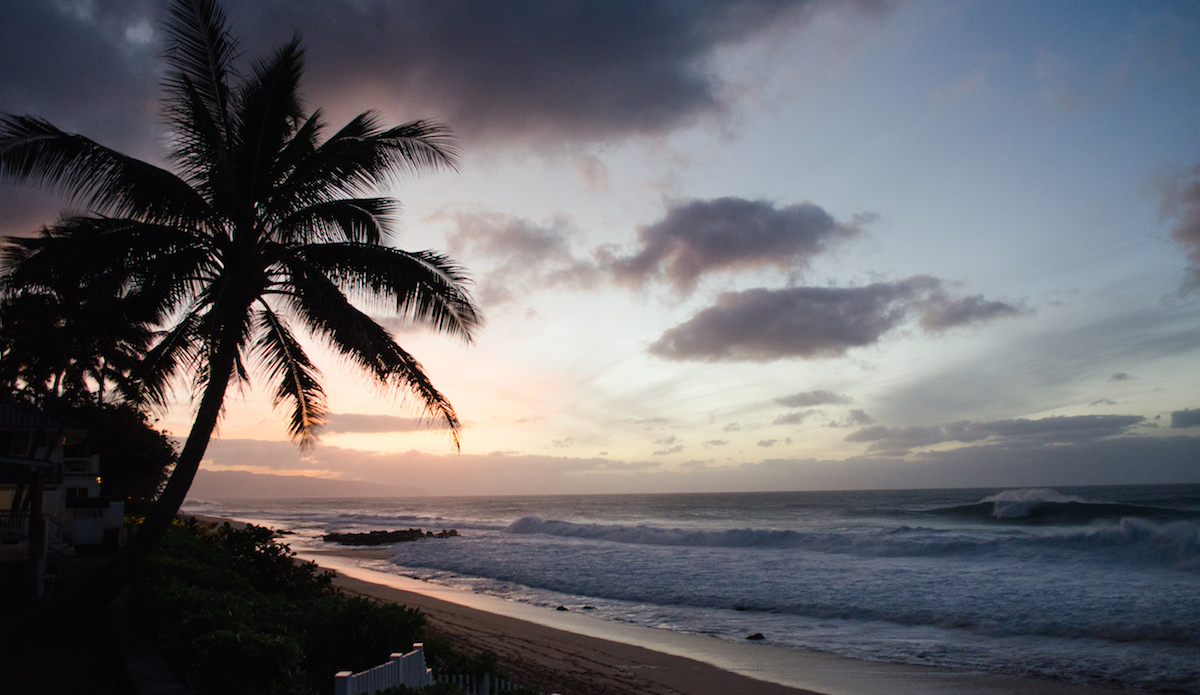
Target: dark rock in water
589, 608
562, 608
384, 537
756, 636
740, 608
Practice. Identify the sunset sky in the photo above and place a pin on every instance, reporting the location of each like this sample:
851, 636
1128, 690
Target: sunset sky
743, 245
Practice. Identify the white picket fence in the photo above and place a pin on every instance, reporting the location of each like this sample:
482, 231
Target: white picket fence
401, 669
409, 669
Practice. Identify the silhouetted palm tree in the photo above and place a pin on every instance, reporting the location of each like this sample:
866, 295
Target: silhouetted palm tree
69, 332
257, 228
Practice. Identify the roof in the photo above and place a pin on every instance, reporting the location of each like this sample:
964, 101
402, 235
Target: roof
16, 417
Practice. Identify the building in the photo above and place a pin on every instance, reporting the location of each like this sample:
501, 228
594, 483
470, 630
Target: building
49, 504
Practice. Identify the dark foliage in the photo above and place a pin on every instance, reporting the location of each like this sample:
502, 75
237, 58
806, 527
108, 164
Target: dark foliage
234, 613
135, 458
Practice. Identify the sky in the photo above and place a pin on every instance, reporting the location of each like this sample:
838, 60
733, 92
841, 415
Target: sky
735, 245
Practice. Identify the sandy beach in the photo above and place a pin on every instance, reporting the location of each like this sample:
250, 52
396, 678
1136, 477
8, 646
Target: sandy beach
571, 653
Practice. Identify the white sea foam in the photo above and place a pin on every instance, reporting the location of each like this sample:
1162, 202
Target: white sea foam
1012, 504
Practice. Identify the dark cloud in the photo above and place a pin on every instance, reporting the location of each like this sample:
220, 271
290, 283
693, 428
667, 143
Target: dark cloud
807, 399
810, 322
1181, 204
795, 417
519, 255
1103, 401
340, 423
526, 69
1050, 431
855, 418
88, 67
671, 450
768, 443
1188, 417
1119, 376
715, 442
702, 236
943, 313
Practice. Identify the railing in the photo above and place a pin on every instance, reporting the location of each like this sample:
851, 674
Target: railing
472, 685
409, 669
14, 525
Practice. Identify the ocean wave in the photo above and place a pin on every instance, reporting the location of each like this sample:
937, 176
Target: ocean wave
1175, 544
1048, 506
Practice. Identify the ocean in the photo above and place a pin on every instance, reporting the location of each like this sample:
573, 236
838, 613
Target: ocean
1088, 585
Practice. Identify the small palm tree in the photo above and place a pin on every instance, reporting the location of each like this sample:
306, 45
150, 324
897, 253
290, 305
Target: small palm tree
261, 225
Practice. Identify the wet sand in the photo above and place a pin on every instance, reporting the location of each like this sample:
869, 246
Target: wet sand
571, 653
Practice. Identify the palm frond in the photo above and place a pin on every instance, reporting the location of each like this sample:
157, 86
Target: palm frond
200, 51
299, 380
107, 182
361, 157
267, 111
361, 220
177, 349
369, 346
424, 287
78, 250
299, 148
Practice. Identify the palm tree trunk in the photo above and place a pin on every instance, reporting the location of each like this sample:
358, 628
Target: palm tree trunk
135, 553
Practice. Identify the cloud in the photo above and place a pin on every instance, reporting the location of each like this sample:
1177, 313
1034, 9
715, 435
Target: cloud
943, 313
794, 418
768, 443
726, 234
1119, 376
855, 418
807, 399
522, 255
1188, 417
96, 71
341, 423
1105, 461
715, 442
1103, 401
525, 69
671, 450
761, 325
1057, 430
1180, 203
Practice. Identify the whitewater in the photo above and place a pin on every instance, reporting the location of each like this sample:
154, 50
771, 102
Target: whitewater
1090, 585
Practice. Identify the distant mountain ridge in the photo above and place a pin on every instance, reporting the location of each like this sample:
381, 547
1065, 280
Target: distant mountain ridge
241, 484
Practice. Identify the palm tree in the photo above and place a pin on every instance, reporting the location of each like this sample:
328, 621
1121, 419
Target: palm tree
259, 226
66, 335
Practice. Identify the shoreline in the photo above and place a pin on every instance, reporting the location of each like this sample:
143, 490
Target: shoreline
576, 654
657, 661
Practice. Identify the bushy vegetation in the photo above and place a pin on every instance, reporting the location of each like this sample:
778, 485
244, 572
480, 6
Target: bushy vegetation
235, 613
